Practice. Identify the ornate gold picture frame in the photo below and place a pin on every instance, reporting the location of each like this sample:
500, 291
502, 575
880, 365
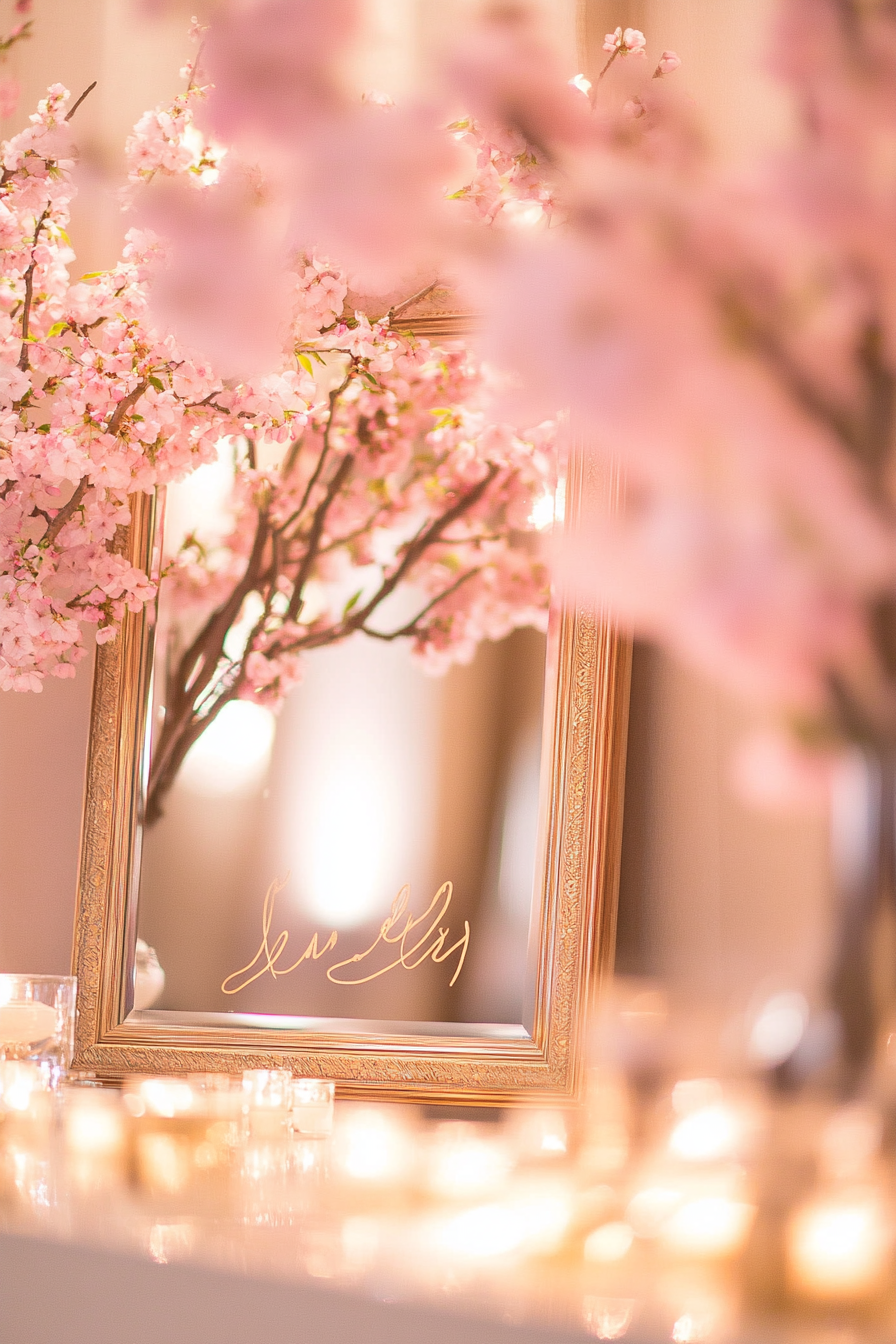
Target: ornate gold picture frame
583, 759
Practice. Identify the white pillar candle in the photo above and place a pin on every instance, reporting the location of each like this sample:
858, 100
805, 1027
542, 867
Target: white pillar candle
26, 1023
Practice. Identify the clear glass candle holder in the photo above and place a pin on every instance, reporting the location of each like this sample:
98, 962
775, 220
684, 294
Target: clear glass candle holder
266, 1102
311, 1107
94, 1139
37, 1022
182, 1148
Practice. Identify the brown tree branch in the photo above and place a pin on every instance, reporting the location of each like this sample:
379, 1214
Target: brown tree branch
123, 407
65, 513
334, 396
428, 537
198, 690
408, 303
340, 476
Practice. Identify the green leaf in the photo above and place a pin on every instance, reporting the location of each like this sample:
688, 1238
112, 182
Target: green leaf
352, 602
43, 429
93, 275
306, 364
57, 329
156, 383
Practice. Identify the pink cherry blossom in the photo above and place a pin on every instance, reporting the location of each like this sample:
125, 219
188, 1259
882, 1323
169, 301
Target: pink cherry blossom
668, 62
628, 41
272, 64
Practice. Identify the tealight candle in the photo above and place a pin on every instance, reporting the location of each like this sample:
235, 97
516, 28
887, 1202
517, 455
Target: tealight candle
838, 1248
464, 1161
94, 1133
311, 1107
374, 1146
266, 1101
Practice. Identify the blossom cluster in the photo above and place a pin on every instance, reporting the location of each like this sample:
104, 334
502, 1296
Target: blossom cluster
402, 511
728, 336
96, 402
371, 493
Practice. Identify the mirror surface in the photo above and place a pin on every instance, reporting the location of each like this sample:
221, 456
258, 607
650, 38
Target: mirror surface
374, 786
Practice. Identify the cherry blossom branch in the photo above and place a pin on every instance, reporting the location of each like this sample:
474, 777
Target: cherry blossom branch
124, 406
198, 689
413, 627
340, 476
421, 543
17, 34
333, 398
29, 293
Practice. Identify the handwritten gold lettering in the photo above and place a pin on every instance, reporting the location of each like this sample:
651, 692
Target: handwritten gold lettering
388, 934
272, 954
416, 939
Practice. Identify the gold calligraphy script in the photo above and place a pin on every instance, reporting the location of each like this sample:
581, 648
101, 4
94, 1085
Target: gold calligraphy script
414, 940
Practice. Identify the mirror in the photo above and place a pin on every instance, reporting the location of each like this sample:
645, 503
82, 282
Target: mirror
438, 856
403, 882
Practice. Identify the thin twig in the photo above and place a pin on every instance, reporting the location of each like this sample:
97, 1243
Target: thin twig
195, 68
315, 475
616, 53
90, 88
428, 537
413, 627
407, 303
29, 293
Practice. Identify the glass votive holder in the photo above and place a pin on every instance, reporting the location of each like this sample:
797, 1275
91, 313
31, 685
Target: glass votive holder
37, 1021
266, 1102
94, 1139
311, 1107
26, 1138
179, 1148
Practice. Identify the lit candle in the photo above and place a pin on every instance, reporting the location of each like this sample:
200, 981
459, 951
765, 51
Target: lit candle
23, 1087
311, 1107
374, 1145
266, 1101
464, 1162
838, 1248
94, 1130
708, 1227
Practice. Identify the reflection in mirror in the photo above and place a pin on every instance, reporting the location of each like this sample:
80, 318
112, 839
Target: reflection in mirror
377, 793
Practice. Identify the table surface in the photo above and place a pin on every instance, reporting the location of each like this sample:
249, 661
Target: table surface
58, 1292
